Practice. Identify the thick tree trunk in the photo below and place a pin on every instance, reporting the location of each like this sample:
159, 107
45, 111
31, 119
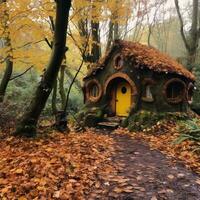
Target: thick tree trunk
6, 78
27, 125
96, 48
61, 86
54, 97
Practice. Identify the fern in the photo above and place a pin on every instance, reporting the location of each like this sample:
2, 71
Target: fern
190, 130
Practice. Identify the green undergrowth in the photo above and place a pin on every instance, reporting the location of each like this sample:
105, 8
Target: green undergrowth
189, 130
145, 120
188, 126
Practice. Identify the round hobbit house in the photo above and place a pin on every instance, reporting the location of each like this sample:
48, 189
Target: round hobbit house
133, 77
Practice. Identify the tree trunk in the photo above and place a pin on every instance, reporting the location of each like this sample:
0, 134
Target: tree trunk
27, 125
9, 63
191, 41
149, 35
194, 36
116, 31
6, 78
110, 35
61, 86
96, 48
54, 97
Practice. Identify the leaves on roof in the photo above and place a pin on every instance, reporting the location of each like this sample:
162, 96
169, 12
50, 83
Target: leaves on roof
144, 56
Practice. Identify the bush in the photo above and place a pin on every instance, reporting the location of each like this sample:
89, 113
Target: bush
146, 120
189, 130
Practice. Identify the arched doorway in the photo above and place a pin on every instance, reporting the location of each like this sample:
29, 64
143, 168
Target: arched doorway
123, 98
120, 91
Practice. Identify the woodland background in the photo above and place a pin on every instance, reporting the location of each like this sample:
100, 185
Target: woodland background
26, 32
96, 163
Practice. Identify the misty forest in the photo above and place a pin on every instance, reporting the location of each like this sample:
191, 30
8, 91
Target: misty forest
100, 99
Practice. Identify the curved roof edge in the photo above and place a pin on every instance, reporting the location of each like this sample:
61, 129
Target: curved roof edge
144, 55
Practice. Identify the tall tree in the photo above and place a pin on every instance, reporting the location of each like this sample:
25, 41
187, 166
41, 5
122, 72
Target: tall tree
9, 57
21, 33
27, 125
88, 23
113, 33
191, 38
96, 48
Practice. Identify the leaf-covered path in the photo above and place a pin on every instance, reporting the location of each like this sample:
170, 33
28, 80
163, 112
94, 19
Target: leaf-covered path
89, 166
142, 173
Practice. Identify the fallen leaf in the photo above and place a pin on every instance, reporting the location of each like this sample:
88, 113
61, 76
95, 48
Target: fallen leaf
22, 198
154, 198
170, 176
118, 190
198, 181
19, 171
56, 194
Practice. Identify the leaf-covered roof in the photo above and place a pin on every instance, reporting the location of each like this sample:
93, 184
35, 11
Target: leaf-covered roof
144, 56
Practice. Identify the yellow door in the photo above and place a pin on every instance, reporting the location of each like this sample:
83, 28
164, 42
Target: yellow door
123, 99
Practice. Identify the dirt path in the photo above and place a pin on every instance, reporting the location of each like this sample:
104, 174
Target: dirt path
145, 174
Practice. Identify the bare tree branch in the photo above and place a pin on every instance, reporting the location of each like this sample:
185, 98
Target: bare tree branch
17, 76
28, 43
79, 69
52, 23
48, 43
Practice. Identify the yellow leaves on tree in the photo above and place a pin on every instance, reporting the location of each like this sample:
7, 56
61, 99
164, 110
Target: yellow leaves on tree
27, 25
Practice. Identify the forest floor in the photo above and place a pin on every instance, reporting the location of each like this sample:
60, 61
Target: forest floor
96, 164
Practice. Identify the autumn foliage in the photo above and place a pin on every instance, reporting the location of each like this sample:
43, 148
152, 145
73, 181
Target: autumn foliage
56, 167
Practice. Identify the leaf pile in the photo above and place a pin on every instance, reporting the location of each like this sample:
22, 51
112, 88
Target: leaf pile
58, 167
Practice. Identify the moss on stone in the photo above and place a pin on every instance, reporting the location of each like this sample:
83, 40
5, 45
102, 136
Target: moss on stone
89, 117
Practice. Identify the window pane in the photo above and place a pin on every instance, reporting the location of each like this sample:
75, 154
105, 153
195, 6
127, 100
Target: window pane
148, 92
94, 91
175, 90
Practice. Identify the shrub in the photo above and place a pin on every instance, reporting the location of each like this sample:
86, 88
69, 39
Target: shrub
146, 120
189, 130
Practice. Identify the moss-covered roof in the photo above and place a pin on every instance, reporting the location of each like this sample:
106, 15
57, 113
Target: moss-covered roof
143, 56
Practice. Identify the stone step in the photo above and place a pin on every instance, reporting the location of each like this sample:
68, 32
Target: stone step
110, 125
114, 119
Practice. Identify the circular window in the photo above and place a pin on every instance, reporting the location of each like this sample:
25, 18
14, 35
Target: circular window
124, 90
93, 90
119, 62
174, 91
190, 92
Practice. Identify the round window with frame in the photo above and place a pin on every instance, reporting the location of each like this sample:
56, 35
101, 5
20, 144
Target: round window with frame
174, 91
118, 62
190, 92
93, 90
